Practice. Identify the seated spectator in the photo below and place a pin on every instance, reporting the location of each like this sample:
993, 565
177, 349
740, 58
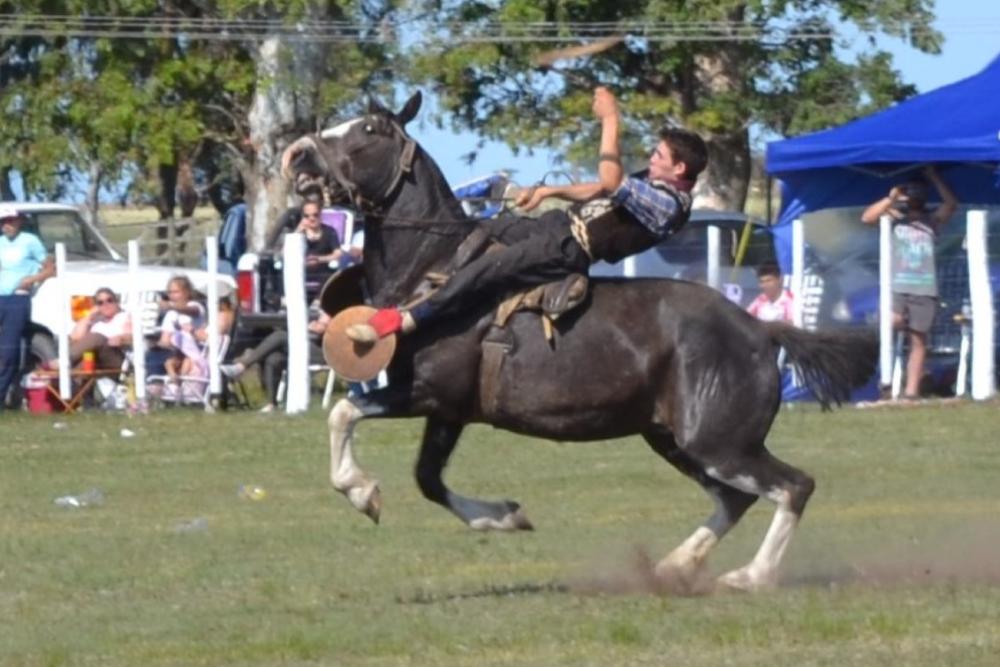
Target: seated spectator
322, 245
226, 318
106, 331
774, 304
184, 316
272, 355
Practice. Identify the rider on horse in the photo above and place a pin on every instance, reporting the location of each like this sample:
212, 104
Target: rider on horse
635, 213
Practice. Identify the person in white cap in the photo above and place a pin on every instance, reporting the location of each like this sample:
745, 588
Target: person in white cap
24, 264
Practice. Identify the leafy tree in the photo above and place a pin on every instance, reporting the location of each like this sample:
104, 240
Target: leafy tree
175, 105
716, 66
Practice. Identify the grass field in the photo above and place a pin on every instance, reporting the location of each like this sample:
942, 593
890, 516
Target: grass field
896, 561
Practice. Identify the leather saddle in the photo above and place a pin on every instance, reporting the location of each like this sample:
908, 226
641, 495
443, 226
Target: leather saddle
551, 300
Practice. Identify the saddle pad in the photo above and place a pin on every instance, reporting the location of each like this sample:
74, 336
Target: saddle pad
357, 362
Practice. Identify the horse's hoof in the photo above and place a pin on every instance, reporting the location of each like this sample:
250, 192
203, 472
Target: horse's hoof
677, 580
367, 500
519, 520
514, 520
362, 333
743, 581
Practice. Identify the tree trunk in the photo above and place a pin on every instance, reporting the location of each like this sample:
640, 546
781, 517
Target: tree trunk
95, 173
724, 183
187, 194
273, 109
283, 108
6, 191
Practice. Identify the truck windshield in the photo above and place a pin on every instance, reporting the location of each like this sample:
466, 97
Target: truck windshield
68, 227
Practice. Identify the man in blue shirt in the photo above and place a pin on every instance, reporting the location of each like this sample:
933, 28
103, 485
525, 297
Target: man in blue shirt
615, 217
24, 264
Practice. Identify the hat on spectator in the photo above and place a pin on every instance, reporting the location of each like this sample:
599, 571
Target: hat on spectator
8, 211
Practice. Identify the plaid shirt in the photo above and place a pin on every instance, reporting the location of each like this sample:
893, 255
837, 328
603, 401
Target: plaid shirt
659, 207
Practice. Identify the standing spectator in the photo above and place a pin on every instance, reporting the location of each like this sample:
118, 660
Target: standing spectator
774, 303
106, 331
24, 264
914, 278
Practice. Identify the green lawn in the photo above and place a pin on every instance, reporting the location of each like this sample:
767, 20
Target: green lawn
896, 561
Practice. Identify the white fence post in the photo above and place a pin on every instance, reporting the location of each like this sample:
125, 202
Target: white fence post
212, 265
981, 298
712, 260
297, 396
885, 300
65, 323
136, 307
798, 271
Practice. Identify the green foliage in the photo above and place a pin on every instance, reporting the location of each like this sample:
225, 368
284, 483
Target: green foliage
789, 78
135, 104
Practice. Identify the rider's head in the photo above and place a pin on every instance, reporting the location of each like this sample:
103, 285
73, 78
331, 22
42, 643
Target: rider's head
680, 154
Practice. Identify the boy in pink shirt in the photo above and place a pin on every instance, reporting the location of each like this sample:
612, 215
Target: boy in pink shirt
774, 303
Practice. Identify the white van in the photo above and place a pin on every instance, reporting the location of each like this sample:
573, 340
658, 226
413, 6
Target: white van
91, 263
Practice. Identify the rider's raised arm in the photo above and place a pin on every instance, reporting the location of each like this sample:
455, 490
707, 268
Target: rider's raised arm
609, 164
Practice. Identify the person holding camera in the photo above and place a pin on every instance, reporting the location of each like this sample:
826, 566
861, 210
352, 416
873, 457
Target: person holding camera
914, 278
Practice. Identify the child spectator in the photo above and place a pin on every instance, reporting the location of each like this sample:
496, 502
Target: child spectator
774, 304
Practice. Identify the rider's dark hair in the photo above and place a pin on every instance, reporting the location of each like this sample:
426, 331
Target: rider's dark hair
686, 147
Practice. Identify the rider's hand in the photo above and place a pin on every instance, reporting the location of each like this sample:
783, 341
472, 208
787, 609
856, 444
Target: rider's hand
530, 198
605, 104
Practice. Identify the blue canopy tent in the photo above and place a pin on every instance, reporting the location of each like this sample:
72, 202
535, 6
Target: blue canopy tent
956, 127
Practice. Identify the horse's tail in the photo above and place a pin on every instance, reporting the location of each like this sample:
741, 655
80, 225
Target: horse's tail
831, 363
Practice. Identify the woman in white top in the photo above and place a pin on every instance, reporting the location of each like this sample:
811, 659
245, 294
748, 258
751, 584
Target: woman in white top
105, 331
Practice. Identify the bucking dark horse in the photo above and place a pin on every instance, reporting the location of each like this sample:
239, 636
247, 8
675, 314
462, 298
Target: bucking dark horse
672, 361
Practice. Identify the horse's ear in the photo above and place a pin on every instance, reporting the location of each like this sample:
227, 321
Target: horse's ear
410, 109
374, 106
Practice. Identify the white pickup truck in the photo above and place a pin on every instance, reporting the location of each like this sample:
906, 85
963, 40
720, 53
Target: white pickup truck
91, 263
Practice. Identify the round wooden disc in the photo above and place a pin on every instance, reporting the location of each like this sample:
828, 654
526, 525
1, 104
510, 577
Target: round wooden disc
357, 362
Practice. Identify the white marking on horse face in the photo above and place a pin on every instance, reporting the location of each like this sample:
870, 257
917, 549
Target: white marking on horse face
338, 131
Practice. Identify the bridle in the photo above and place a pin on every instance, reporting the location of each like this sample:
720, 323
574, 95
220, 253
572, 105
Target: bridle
402, 167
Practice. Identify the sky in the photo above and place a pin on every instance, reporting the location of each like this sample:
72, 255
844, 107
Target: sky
971, 31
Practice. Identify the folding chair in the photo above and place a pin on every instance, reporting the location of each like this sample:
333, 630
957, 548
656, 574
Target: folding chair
189, 389
331, 378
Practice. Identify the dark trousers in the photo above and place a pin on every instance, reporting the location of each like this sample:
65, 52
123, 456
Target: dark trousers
15, 314
538, 251
272, 355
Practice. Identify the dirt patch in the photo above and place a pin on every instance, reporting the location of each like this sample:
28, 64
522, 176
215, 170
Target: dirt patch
964, 554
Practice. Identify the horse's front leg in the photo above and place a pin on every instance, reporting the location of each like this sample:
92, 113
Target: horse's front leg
345, 474
440, 438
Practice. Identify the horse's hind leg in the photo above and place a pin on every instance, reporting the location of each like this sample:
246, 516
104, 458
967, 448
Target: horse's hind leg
681, 570
790, 488
439, 441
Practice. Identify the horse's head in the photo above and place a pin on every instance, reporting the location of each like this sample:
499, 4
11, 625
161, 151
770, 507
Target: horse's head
362, 160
